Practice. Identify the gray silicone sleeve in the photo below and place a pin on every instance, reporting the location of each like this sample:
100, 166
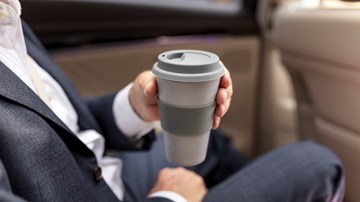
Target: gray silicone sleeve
184, 121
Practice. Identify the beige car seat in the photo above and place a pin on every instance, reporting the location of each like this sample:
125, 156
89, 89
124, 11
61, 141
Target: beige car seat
321, 49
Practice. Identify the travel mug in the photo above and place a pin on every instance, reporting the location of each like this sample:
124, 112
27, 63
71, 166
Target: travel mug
188, 81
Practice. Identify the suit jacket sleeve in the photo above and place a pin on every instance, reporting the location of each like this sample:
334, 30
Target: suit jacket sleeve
102, 109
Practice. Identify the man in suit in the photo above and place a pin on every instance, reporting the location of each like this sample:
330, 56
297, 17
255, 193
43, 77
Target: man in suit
54, 145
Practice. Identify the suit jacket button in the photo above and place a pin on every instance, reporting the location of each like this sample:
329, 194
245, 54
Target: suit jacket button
97, 174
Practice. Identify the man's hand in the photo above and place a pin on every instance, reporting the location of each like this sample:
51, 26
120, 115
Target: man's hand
143, 97
223, 97
184, 182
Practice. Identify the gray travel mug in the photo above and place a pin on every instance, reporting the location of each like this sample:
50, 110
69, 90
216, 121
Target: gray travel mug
188, 81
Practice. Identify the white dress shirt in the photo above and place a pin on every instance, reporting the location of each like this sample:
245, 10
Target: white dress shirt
13, 55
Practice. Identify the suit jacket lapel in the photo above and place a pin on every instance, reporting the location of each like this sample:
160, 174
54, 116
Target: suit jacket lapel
86, 120
40, 55
13, 88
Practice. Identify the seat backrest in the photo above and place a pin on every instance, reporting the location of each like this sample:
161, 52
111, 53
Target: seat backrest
321, 50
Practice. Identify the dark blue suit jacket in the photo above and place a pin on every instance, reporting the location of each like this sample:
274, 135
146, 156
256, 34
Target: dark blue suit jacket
43, 159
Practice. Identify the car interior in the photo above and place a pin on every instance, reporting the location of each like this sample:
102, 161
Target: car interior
294, 63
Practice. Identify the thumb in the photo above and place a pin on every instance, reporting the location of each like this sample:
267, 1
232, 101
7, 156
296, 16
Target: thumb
150, 88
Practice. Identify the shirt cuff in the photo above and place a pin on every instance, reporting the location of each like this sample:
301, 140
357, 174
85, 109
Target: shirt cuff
169, 195
125, 117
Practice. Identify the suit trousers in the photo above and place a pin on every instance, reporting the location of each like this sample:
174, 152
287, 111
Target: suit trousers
304, 171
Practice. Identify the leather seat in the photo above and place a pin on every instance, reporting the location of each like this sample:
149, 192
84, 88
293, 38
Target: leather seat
321, 50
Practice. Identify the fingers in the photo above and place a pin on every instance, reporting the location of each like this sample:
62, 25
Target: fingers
168, 174
220, 111
223, 97
184, 182
216, 122
222, 107
143, 97
226, 83
226, 79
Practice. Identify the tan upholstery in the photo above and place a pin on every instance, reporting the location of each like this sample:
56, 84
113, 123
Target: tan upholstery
321, 49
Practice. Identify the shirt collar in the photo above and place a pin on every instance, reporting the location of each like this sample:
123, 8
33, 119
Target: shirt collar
13, 4
11, 33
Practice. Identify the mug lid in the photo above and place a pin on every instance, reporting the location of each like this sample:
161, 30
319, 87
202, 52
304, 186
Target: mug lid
188, 66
